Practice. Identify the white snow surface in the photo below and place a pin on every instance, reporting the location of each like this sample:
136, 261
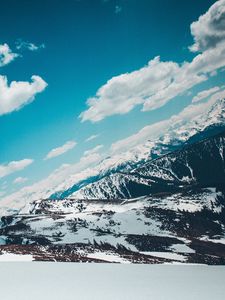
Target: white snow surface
8, 257
90, 221
69, 281
110, 257
167, 255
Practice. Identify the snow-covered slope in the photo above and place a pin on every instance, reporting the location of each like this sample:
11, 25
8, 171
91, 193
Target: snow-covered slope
181, 227
197, 164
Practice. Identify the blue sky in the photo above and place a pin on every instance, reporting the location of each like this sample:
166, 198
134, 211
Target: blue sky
75, 47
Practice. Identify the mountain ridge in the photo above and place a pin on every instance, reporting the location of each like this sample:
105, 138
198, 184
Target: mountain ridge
208, 124
175, 134
156, 172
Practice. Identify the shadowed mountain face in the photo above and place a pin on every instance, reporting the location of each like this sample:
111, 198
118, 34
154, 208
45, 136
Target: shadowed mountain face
199, 164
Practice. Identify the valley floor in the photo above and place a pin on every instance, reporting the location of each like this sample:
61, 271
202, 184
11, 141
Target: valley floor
186, 227
69, 281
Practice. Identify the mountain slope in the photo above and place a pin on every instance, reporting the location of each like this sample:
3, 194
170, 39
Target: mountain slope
173, 135
180, 132
181, 227
197, 164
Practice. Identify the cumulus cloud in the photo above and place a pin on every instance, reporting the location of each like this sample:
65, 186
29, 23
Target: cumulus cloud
6, 55
209, 29
92, 137
14, 166
20, 180
160, 81
189, 75
61, 150
15, 95
122, 93
93, 150
22, 45
204, 94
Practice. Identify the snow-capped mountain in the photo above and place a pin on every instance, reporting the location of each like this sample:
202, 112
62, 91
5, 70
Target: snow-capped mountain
169, 135
201, 164
179, 133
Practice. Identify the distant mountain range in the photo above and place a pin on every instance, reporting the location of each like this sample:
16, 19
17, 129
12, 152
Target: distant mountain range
118, 178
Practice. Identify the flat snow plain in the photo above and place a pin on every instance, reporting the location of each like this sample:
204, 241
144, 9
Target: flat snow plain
74, 281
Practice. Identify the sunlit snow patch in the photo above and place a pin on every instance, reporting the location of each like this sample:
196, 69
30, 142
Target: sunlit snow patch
110, 257
167, 255
7, 257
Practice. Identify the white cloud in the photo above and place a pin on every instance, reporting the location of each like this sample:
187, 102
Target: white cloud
189, 75
19, 180
61, 150
14, 166
18, 93
122, 93
6, 55
204, 94
22, 45
92, 137
209, 29
93, 150
157, 83
15, 95
181, 81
